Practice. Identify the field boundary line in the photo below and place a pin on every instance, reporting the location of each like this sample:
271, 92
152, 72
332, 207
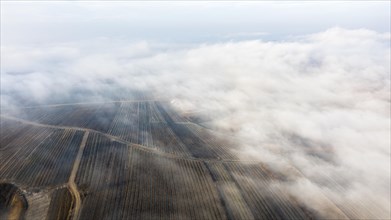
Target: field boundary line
71, 182
92, 103
139, 146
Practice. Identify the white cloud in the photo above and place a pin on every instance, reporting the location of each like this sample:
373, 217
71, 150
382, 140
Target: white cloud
320, 102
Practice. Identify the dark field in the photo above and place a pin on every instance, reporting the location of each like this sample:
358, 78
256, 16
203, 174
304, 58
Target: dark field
134, 160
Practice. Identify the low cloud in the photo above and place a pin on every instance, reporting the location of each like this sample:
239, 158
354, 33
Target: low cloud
319, 102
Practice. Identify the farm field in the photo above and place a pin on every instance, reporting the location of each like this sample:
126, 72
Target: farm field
134, 160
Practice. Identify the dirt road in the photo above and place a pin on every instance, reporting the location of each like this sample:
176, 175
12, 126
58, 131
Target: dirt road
71, 182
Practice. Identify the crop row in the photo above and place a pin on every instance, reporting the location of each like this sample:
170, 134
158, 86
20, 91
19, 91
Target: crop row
194, 144
122, 182
230, 195
41, 156
9, 131
264, 200
20, 147
156, 117
148, 123
97, 117
165, 140
141, 123
61, 115
125, 122
145, 137
60, 204
221, 146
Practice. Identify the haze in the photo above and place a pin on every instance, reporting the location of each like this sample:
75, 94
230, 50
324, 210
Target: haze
302, 84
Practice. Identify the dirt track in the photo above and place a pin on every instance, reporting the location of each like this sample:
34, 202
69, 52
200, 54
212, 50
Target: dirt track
71, 182
76, 210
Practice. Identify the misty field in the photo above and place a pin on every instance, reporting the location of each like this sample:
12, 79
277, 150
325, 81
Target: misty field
137, 160
195, 110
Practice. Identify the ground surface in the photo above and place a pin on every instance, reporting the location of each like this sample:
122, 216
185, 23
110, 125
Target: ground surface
133, 160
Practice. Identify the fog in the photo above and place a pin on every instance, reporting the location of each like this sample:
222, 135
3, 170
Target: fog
319, 102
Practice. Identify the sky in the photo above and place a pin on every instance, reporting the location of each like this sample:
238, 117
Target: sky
299, 83
183, 22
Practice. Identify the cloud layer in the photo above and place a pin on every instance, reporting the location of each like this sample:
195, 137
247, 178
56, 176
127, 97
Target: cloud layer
319, 102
